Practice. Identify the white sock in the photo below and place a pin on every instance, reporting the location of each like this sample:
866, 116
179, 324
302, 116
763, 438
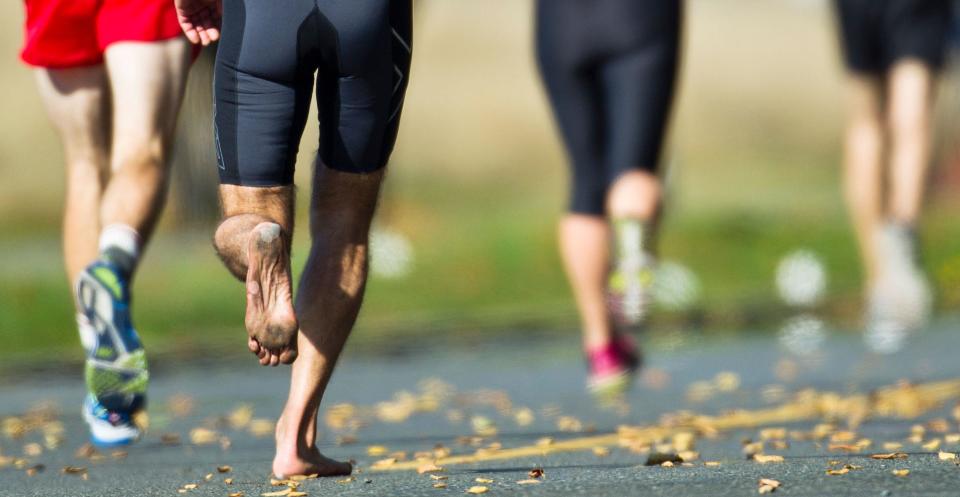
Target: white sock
121, 244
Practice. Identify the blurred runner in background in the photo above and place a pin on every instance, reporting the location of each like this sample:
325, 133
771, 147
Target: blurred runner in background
268, 54
111, 74
894, 51
610, 69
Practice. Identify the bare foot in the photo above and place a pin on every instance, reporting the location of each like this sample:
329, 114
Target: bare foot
309, 462
271, 322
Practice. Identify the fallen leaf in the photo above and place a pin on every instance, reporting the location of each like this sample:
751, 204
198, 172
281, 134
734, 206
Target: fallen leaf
483, 480
544, 442
240, 417
74, 470
900, 472
683, 441
224, 469
841, 471
947, 456
952, 438
892, 455
348, 479
170, 439
523, 416
383, 463
429, 468
440, 485
118, 454
689, 455
190, 486
36, 468
228, 481
377, 450
726, 381
932, 444
32, 449
765, 459
208, 477
658, 458
479, 489
601, 451
668, 464
297, 494
528, 482
235, 494
767, 485
892, 446
278, 493
711, 464
203, 436
261, 428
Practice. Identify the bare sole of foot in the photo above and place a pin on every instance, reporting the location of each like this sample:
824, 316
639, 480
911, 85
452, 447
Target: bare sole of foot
271, 321
314, 463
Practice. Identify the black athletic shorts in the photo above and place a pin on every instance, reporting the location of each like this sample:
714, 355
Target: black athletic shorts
877, 33
264, 78
610, 68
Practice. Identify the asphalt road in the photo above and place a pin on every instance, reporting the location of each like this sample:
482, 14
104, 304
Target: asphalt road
484, 386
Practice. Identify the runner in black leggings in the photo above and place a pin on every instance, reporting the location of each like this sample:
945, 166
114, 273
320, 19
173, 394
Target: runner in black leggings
610, 68
268, 55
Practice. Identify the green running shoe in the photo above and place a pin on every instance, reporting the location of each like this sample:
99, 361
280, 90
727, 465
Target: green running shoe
116, 367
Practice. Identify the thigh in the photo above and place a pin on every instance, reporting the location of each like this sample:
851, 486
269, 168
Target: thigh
362, 82
639, 86
263, 82
78, 102
147, 82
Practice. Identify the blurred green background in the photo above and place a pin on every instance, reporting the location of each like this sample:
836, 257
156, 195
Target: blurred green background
478, 180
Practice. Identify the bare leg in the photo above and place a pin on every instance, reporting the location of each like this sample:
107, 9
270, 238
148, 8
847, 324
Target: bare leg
329, 299
254, 243
635, 195
585, 248
910, 97
78, 103
146, 103
863, 177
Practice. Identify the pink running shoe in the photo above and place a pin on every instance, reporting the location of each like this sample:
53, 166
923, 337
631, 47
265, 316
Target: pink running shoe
612, 367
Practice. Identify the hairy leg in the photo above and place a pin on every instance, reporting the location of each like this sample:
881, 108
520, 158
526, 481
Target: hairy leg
148, 81
329, 299
863, 165
585, 248
78, 103
909, 121
254, 243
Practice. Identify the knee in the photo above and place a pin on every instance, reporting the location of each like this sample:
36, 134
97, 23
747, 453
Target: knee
147, 155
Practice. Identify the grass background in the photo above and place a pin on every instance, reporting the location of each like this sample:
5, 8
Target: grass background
478, 181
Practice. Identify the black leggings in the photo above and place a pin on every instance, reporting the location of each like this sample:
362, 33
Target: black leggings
610, 68
268, 54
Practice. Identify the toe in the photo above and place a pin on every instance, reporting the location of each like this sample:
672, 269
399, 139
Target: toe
253, 345
274, 359
265, 359
288, 356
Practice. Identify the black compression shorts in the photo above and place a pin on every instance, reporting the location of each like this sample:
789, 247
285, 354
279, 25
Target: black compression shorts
610, 68
877, 33
268, 54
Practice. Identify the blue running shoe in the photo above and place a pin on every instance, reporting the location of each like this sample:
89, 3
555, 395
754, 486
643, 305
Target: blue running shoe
108, 428
116, 367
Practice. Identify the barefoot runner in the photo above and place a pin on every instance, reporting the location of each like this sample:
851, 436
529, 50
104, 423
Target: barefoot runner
111, 74
894, 50
610, 68
266, 60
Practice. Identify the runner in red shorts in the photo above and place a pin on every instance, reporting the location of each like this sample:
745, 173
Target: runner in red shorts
111, 74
